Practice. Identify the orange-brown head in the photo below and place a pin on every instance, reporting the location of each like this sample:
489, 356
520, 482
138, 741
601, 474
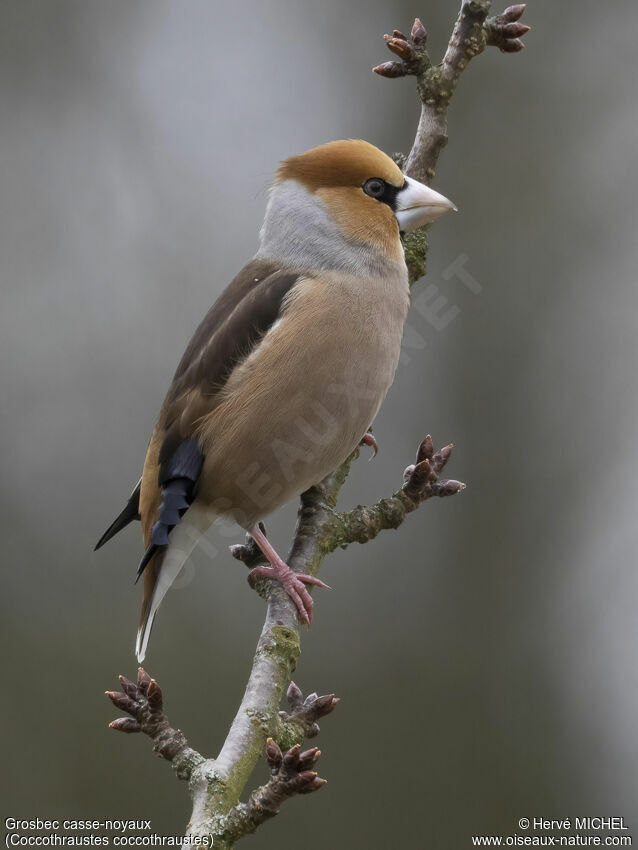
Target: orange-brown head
337, 173
362, 192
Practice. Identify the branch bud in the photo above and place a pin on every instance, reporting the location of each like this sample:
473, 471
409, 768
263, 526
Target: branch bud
390, 70
294, 695
512, 46
515, 30
125, 724
273, 754
419, 33
401, 48
143, 679
129, 688
291, 756
426, 450
325, 704
314, 785
513, 13
441, 457
121, 701
447, 488
154, 696
308, 758
420, 476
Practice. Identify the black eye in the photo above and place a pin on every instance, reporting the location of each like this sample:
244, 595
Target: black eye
375, 187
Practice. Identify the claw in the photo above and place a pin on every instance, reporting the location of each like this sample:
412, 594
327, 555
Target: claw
306, 579
369, 440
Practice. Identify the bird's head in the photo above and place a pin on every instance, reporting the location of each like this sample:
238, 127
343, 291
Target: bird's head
348, 193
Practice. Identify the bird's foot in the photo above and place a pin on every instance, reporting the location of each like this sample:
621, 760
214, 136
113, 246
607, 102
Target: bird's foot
368, 439
294, 584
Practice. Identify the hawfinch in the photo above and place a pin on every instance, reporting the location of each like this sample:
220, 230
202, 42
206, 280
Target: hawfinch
285, 373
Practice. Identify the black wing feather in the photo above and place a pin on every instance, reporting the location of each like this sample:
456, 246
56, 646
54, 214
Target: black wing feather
130, 513
178, 481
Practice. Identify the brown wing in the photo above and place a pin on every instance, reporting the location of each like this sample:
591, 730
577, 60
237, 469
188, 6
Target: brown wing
229, 332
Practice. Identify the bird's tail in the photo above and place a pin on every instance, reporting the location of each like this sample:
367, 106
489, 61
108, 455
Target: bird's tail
164, 567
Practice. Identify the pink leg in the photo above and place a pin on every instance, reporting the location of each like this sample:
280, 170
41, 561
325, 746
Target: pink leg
294, 583
369, 440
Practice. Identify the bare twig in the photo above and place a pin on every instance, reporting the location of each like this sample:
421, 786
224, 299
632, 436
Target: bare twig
143, 701
436, 84
249, 552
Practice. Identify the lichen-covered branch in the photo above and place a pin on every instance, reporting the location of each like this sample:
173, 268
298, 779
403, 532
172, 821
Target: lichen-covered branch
421, 482
291, 773
216, 785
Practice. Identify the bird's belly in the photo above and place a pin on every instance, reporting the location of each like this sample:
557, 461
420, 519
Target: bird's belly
285, 447
297, 408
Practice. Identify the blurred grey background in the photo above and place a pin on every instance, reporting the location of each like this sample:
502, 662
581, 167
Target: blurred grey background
485, 652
